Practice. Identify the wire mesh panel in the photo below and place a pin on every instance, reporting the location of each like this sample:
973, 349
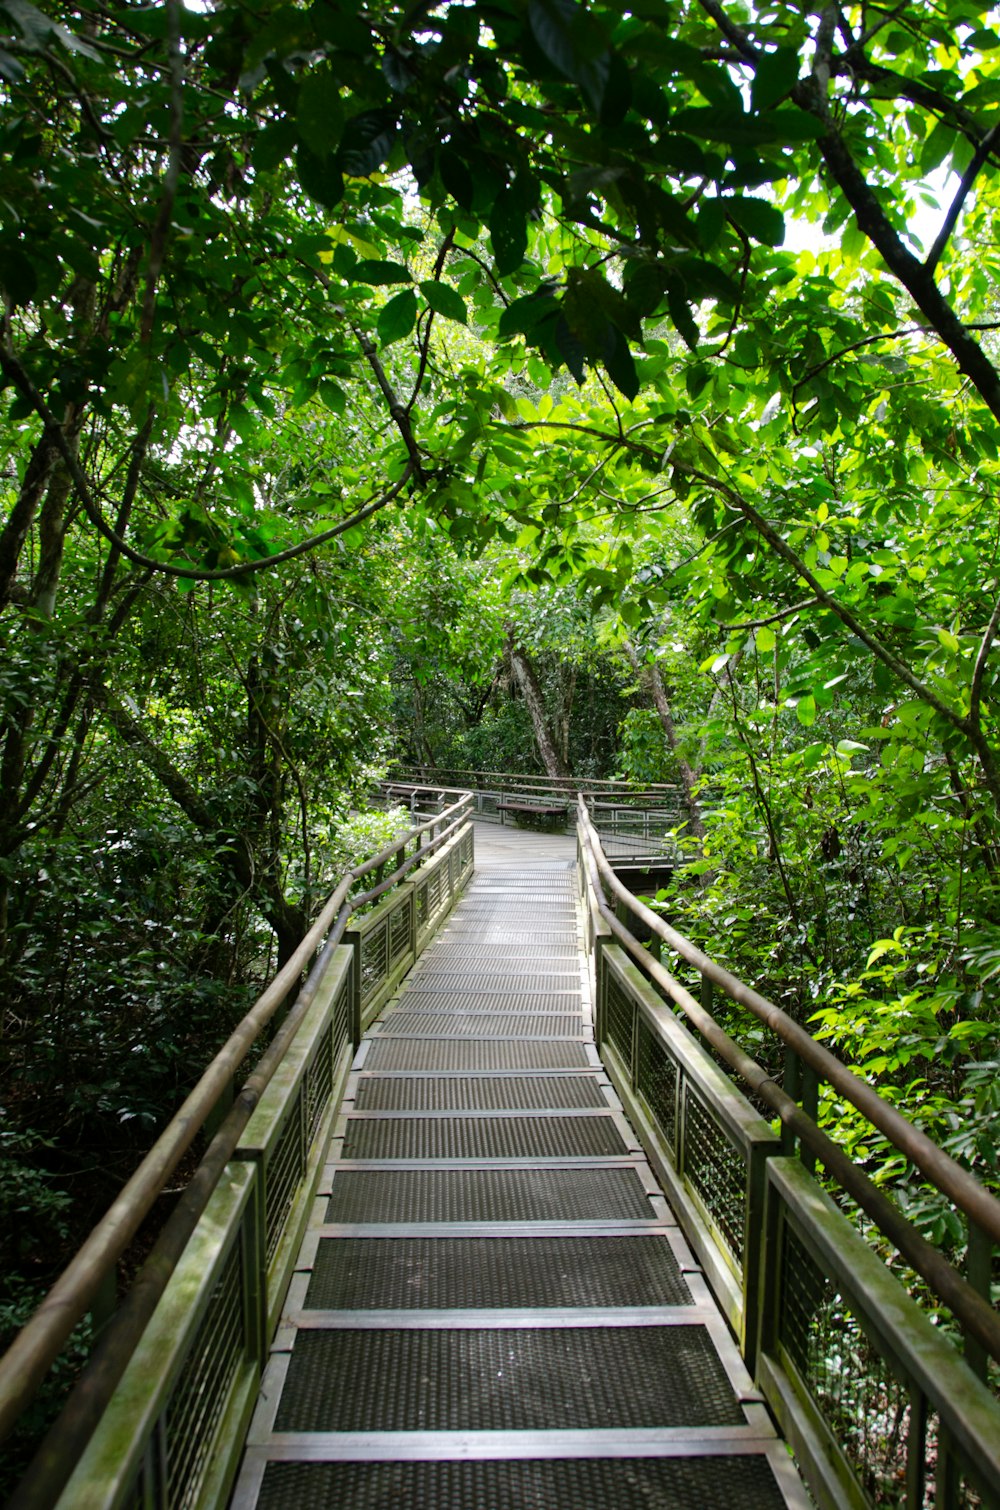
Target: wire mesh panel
635, 831
657, 1080
435, 1273
341, 1032
439, 882
435, 887
523, 1379
374, 959
197, 1406
619, 1016
384, 944
399, 930
521, 1137
319, 1080
477, 1093
286, 1132
284, 1168
488, 1195
866, 1406
717, 1170
848, 1360
171, 1436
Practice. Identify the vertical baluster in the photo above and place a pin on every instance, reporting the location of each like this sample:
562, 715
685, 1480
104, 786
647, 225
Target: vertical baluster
916, 1450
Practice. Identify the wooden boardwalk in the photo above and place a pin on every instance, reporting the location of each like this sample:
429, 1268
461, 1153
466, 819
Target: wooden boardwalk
494, 1306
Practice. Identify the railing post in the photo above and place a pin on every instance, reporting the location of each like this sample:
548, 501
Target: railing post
810, 1105
792, 1087
105, 1302
979, 1273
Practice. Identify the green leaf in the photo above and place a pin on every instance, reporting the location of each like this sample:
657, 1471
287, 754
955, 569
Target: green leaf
398, 317
444, 300
765, 638
17, 274
805, 711
508, 232
760, 220
272, 145
525, 313
320, 115
680, 313
735, 129
397, 70
332, 395
619, 363
340, 25
938, 145
456, 177
322, 180
574, 42
368, 139
374, 270
775, 75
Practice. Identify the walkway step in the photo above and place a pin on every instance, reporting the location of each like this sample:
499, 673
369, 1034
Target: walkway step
467, 1093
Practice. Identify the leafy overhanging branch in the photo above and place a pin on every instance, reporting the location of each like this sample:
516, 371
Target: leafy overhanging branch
968, 725
17, 375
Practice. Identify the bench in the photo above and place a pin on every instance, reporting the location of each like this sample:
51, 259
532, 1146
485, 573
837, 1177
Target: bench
524, 812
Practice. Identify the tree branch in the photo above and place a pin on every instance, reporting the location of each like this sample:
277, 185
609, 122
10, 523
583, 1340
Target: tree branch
955, 208
867, 637
732, 33
822, 67
439, 262
774, 618
400, 413
913, 275
172, 177
979, 670
882, 335
16, 373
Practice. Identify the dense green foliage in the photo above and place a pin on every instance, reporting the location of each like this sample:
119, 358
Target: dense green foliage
361, 363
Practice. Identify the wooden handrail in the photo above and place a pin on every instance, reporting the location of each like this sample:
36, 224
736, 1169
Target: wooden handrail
415, 776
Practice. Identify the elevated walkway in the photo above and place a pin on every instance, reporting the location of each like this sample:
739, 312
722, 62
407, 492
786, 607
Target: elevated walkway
490, 1226
494, 1305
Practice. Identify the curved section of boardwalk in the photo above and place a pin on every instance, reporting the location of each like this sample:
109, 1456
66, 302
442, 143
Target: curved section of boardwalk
494, 1306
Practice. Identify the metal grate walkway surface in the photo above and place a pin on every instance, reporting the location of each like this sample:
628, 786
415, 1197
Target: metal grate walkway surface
494, 1308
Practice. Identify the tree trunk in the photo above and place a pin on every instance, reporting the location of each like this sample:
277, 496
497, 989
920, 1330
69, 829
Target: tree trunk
288, 921
22, 515
650, 673
527, 680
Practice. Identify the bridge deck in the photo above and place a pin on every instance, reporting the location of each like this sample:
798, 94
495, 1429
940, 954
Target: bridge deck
494, 1305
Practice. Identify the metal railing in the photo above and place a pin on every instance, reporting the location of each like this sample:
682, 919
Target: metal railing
634, 822
458, 778
158, 1417
880, 1408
